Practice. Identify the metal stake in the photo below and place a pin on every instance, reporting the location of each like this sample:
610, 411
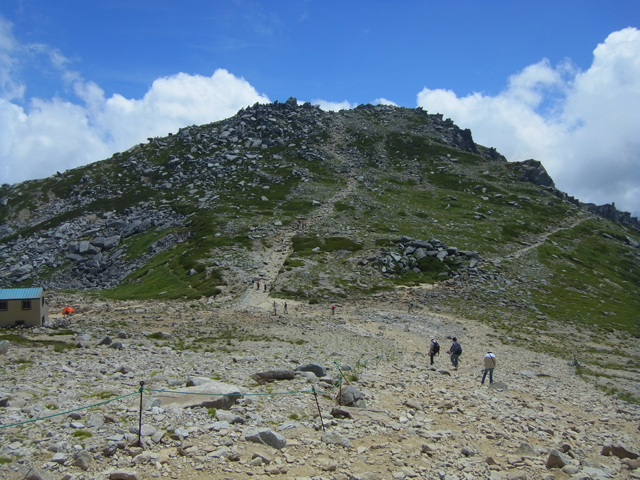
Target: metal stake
342, 374
315, 394
140, 418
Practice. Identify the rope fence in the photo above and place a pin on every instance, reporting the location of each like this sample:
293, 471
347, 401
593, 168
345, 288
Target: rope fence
142, 389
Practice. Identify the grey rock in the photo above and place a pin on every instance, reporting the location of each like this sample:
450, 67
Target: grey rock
334, 438
557, 459
467, 451
124, 475
273, 375
4, 346
110, 449
222, 396
619, 450
105, 341
59, 457
351, 397
316, 368
117, 346
526, 450
229, 417
31, 473
83, 460
197, 381
499, 386
266, 437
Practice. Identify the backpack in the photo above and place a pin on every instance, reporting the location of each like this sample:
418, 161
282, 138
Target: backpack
458, 350
436, 348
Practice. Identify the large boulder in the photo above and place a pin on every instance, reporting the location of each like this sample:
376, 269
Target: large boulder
533, 171
317, 369
351, 397
265, 437
334, 438
273, 375
557, 459
221, 395
618, 450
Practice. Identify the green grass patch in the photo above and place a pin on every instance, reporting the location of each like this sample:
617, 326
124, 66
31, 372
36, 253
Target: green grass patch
58, 346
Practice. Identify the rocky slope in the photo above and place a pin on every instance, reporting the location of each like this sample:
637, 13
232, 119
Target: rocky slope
539, 420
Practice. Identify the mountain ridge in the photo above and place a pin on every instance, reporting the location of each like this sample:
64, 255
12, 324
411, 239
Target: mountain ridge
187, 215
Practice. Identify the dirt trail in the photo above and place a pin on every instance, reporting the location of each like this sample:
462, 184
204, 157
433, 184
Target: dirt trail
543, 238
280, 249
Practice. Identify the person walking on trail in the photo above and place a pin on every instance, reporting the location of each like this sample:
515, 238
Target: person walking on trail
265, 287
489, 365
455, 351
434, 349
285, 308
333, 309
410, 307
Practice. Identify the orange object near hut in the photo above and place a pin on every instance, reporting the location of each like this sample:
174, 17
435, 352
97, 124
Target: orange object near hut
67, 311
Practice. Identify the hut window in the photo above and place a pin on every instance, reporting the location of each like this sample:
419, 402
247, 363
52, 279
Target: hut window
26, 304
4, 305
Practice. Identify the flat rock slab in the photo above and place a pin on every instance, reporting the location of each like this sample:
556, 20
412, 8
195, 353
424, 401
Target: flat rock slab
208, 395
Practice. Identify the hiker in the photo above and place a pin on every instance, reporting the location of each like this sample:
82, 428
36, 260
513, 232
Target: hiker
285, 308
265, 287
455, 351
299, 222
333, 309
434, 349
411, 308
258, 285
489, 365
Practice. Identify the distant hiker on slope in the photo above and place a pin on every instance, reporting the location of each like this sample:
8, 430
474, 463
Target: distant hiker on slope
489, 365
410, 307
455, 351
434, 349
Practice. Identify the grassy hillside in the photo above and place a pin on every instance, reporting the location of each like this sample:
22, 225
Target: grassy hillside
234, 186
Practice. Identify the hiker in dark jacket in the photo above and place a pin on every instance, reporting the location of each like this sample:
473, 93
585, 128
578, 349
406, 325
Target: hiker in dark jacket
455, 352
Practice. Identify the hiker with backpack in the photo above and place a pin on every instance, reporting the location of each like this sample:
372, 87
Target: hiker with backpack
455, 351
434, 349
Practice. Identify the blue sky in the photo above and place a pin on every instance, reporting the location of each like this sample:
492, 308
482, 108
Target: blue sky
556, 81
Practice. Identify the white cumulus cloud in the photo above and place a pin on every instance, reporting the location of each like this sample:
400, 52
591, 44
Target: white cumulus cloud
384, 101
582, 125
41, 136
333, 106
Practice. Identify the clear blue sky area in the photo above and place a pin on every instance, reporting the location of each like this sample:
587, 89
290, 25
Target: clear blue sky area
335, 50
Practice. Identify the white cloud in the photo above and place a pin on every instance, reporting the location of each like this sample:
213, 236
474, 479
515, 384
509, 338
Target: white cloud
56, 134
583, 125
333, 106
49, 135
384, 101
